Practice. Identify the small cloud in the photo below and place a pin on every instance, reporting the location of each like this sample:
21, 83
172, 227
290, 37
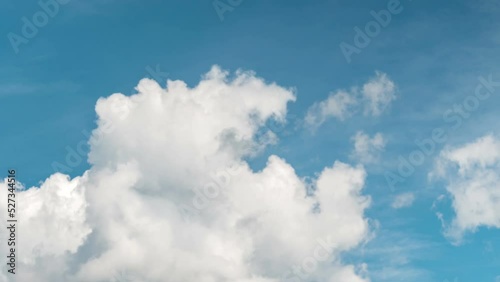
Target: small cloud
403, 200
378, 94
366, 149
338, 105
375, 96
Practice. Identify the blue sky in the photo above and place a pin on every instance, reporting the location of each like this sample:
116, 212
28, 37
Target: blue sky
434, 53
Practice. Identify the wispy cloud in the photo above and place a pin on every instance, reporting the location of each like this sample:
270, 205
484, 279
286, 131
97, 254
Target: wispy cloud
374, 97
14, 89
403, 200
367, 149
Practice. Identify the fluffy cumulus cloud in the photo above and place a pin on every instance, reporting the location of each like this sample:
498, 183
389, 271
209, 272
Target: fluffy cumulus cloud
472, 172
367, 149
403, 200
169, 196
374, 97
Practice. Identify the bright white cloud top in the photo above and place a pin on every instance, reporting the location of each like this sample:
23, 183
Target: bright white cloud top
169, 194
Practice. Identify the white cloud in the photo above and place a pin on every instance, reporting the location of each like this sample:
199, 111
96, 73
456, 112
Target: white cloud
375, 96
51, 224
472, 173
366, 149
60, 205
162, 150
378, 93
338, 105
403, 200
